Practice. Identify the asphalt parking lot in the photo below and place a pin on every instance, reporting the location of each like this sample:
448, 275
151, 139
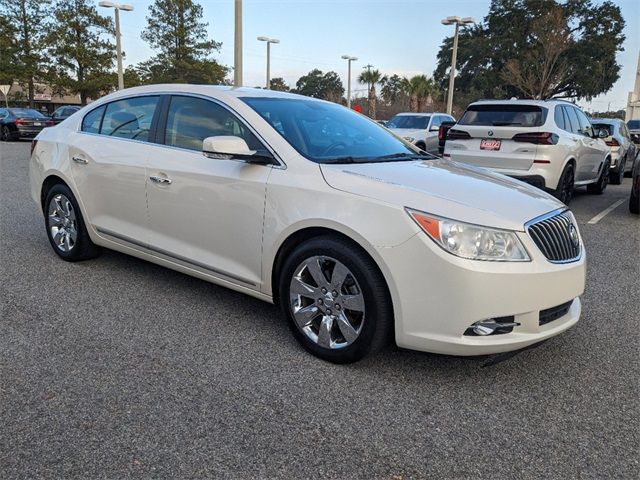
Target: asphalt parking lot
117, 368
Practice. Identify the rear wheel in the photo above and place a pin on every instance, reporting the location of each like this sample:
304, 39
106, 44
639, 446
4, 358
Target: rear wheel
5, 134
600, 186
335, 300
564, 192
66, 229
616, 176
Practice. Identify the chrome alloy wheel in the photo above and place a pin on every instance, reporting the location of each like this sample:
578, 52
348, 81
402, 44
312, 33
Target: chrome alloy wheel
326, 302
62, 223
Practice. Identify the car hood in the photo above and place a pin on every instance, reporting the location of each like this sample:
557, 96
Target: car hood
445, 188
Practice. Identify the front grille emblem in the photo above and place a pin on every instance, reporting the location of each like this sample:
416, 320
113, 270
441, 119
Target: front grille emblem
490, 132
573, 234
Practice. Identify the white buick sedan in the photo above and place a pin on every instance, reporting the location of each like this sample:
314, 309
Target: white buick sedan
358, 236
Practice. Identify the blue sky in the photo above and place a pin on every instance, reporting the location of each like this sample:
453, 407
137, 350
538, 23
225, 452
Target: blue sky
396, 36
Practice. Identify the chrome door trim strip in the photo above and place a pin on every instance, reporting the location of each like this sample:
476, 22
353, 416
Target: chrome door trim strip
173, 256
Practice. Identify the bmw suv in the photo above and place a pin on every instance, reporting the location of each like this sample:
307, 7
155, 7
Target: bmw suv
548, 143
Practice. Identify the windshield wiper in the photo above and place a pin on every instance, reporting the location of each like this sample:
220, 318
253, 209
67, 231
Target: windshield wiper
404, 156
347, 159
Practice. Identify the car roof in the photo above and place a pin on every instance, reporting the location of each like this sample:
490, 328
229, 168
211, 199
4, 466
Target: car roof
608, 121
419, 114
518, 101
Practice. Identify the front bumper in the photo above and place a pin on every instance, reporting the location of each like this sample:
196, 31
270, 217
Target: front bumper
437, 297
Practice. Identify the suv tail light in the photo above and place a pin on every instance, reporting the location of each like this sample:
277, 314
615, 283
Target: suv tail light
537, 138
34, 142
454, 134
612, 143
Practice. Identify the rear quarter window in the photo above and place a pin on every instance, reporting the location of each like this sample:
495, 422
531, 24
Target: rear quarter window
91, 121
504, 115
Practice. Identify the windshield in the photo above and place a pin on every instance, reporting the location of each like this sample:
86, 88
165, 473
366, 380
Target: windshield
329, 133
414, 122
26, 112
633, 124
501, 115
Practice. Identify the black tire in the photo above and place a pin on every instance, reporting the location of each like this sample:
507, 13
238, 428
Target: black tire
5, 134
600, 186
377, 320
83, 248
634, 201
564, 191
616, 176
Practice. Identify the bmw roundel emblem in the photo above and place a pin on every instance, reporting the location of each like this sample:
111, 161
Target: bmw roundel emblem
490, 132
573, 234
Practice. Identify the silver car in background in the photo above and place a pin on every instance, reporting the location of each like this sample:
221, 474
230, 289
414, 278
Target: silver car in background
623, 150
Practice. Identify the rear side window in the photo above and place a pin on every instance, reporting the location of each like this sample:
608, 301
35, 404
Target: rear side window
190, 120
130, 118
558, 116
91, 121
572, 119
585, 124
502, 115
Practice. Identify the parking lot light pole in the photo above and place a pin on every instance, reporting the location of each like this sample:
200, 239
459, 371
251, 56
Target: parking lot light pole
117, 7
457, 21
269, 42
237, 45
349, 60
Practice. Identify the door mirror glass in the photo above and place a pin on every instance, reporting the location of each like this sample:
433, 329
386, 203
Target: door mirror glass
226, 147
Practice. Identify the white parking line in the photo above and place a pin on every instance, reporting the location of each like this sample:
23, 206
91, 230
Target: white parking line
605, 212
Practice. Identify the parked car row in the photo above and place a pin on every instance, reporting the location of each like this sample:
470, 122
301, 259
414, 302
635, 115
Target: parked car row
17, 123
358, 235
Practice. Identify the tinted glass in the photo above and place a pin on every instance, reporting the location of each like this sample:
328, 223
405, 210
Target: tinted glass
437, 121
130, 118
573, 119
190, 120
558, 116
26, 112
91, 121
585, 124
606, 126
323, 131
501, 115
415, 122
633, 124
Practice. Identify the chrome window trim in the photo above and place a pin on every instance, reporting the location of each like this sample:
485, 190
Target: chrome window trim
281, 164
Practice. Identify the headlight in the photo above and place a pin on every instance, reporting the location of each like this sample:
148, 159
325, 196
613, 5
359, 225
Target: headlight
409, 139
471, 241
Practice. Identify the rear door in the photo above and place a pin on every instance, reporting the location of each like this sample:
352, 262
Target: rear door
593, 149
491, 128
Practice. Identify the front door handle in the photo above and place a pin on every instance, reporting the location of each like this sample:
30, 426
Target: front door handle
162, 180
80, 160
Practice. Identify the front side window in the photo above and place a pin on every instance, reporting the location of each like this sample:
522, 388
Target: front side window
413, 122
91, 121
190, 120
326, 132
129, 118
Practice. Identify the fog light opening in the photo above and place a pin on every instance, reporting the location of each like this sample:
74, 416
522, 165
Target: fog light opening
492, 326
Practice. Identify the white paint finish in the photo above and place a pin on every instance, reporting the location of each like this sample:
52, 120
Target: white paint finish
605, 212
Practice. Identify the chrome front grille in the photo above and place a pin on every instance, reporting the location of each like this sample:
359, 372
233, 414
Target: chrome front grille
557, 237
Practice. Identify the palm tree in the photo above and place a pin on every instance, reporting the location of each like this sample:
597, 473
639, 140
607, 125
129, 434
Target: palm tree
371, 78
419, 88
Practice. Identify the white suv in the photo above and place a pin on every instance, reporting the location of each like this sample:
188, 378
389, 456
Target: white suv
548, 143
421, 129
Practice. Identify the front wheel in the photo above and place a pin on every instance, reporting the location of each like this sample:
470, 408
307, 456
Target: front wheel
5, 134
335, 300
600, 186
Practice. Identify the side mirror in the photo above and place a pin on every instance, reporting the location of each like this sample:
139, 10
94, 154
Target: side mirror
228, 147
602, 133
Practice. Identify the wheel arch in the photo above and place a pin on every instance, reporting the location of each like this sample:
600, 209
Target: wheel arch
47, 184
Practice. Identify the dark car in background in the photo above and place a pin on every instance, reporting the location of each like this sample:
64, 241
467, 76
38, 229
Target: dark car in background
64, 112
634, 199
634, 130
17, 123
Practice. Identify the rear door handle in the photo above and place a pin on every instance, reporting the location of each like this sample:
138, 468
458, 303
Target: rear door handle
162, 180
80, 160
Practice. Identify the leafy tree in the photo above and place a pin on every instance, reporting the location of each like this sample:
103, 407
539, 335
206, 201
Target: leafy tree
176, 30
371, 78
24, 58
83, 56
419, 88
510, 33
317, 84
393, 89
278, 84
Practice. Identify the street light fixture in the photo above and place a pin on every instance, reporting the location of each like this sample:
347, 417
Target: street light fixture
117, 7
457, 21
349, 60
269, 42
